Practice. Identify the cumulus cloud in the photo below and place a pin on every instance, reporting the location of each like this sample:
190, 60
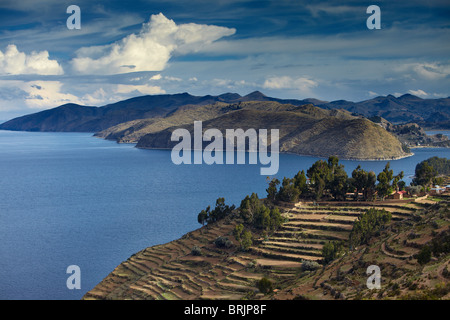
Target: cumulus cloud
302, 84
42, 94
14, 62
150, 50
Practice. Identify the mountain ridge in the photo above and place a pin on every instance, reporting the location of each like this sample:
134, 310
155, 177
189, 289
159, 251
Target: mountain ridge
429, 113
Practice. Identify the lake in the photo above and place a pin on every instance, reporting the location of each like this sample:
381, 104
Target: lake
72, 199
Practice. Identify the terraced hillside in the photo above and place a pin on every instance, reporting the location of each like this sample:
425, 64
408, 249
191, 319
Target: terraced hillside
400, 251
172, 271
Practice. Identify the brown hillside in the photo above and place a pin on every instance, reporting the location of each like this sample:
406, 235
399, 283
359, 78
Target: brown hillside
305, 130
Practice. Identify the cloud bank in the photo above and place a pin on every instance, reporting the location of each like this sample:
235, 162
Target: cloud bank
14, 62
150, 50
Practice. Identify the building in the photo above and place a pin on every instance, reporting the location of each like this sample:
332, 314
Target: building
397, 195
437, 190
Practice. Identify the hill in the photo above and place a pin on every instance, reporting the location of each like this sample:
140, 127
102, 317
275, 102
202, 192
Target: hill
428, 113
306, 130
199, 266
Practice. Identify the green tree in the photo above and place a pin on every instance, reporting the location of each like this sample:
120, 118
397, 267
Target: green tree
319, 175
246, 240
300, 182
220, 211
359, 180
272, 190
248, 207
288, 192
340, 183
368, 224
384, 178
331, 251
237, 232
203, 216
425, 174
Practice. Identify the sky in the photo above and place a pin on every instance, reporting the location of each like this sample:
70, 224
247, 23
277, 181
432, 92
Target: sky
283, 48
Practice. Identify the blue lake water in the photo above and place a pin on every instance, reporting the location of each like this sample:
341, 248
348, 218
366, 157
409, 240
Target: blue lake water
71, 199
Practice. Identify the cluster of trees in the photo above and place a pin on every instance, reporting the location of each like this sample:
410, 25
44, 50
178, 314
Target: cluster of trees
367, 225
219, 212
256, 214
329, 179
428, 171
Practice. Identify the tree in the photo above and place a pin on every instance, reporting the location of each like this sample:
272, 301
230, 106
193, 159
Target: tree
203, 216
300, 182
331, 251
272, 190
384, 178
397, 180
220, 211
248, 207
288, 192
339, 184
367, 225
426, 174
237, 232
246, 240
318, 174
359, 180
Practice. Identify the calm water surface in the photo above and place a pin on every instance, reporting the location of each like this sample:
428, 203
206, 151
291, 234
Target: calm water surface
69, 198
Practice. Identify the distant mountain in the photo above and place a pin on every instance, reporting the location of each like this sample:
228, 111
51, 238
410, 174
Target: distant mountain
429, 113
76, 118
305, 130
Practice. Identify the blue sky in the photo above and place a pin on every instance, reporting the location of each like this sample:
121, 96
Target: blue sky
284, 48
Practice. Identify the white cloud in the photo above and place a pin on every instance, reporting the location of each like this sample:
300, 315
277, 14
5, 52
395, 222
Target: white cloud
140, 89
419, 93
169, 78
429, 71
44, 94
156, 77
150, 50
302, 84
18, 94
14, 62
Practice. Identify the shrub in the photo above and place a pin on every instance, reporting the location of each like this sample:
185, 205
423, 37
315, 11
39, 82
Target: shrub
331, 250
265, 285
196, 251
310, 266
223, 242
424, 256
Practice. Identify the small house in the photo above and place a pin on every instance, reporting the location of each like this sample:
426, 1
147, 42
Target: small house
398, 195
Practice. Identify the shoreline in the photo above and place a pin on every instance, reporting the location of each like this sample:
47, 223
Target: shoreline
297, 154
